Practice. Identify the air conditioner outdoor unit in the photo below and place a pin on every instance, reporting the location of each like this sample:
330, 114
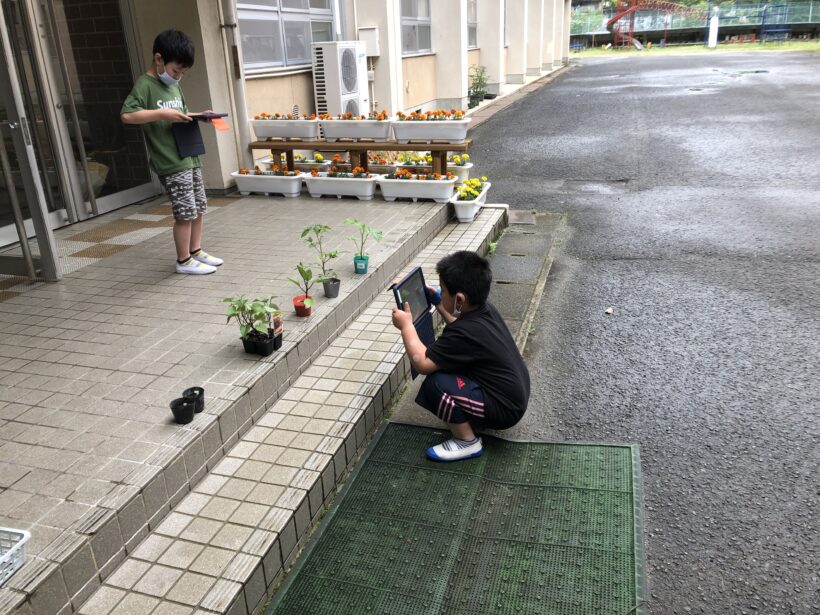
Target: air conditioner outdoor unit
340, 77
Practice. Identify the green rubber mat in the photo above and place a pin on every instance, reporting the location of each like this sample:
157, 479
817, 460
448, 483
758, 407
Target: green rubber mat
526, 528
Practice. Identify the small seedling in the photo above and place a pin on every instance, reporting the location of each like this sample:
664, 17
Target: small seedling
305, 282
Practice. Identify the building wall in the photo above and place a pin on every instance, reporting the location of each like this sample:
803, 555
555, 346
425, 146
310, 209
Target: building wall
473, 57
279, 94
419, 73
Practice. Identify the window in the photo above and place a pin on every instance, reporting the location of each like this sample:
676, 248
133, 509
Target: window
278, 33
472, 23
415, 27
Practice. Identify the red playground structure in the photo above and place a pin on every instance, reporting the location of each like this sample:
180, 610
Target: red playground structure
622, 25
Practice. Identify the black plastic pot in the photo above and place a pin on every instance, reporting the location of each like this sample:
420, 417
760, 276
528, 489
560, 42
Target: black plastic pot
196, 395
332, 287
490, 96
277, 341
183, 410
475, 100
265, 346
249, 345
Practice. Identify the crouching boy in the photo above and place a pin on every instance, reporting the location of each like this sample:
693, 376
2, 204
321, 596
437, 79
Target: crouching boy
475, 377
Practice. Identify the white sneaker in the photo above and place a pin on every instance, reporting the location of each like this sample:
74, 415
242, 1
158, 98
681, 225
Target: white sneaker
450, 451
204, 257
194, 267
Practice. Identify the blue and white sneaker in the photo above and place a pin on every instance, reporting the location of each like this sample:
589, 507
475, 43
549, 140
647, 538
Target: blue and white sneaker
455, 450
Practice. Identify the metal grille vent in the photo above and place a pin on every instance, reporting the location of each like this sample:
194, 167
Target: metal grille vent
349, 71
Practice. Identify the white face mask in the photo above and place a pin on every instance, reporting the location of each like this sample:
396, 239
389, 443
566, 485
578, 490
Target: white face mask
166, 78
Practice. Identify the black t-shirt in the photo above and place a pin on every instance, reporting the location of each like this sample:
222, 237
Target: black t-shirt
479, 346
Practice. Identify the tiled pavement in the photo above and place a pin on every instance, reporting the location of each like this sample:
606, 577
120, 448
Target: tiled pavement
222, 547
88, 459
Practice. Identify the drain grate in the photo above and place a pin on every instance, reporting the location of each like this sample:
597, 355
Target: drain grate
527, 528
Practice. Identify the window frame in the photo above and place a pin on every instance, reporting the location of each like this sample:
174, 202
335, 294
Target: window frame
414, 21
472, 25
250, 10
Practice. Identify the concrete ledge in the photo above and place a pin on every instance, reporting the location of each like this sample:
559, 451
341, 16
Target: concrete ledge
70, 569
225, 545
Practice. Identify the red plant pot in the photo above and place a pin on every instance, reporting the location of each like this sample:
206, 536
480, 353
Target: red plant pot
299, 305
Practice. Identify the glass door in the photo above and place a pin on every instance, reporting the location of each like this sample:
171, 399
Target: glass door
24, 205
74, 68
90, 74
53, 176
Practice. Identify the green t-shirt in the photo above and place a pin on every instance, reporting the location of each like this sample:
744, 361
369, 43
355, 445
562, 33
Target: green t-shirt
149, 93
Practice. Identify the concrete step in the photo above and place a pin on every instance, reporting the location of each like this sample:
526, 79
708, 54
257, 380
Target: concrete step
225, 545
63, 572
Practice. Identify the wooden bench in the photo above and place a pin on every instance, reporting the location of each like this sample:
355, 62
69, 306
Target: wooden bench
358, 150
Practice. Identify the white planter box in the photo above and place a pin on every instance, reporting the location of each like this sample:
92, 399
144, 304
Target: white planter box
439, 190
462, 172
378, 130
453, 131
466, 210
361, 188
307, 130
286, 185
421, 167
306, 165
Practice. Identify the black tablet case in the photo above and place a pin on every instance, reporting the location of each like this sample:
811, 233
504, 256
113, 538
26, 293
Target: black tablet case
188, 138
423, 325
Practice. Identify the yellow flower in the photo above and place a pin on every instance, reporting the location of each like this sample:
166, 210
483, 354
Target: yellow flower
483, 178
457, 159
319, 158
466, 157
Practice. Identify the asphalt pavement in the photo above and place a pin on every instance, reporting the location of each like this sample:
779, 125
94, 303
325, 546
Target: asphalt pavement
690, 188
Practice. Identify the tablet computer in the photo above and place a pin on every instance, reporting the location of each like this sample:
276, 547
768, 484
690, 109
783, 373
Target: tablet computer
411, 290
204, 117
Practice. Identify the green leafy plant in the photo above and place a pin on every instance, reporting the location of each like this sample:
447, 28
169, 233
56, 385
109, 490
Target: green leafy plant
314, 237
253, 316
478, 84
305, 282
365, 231
492, 247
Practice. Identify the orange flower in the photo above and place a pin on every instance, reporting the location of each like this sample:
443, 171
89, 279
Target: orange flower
337, 158
314, 173
312, 116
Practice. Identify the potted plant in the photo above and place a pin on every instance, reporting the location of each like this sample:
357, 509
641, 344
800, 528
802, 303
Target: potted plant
317, 163
404, 184
360, 257
279, 180
375, 126
314, 237
469, 198
260, 323
416, 162
460, 165
429, 126
478, 85
303, 304
356, 182
286, 126
379, 162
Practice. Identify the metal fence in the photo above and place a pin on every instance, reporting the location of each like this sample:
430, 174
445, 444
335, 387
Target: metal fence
594, 22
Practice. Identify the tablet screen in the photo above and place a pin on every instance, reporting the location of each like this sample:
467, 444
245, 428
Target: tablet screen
411, 290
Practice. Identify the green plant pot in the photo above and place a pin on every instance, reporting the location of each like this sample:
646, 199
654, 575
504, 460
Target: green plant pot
360, 264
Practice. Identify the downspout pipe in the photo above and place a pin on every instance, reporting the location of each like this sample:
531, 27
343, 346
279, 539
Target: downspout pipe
236, 78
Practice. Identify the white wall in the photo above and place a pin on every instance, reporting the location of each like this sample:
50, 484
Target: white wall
491, 42
548, 48
535, 36
516, 40
449, 33
386, 17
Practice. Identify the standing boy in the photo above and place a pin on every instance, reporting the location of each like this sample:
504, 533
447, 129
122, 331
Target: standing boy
156, 102
476, 378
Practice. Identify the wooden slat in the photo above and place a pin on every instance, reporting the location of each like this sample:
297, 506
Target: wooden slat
349, 146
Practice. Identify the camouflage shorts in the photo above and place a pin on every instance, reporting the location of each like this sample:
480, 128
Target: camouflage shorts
187, 194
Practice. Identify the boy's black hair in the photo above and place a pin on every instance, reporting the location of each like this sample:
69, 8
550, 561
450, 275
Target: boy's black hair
466, 272
175, 46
